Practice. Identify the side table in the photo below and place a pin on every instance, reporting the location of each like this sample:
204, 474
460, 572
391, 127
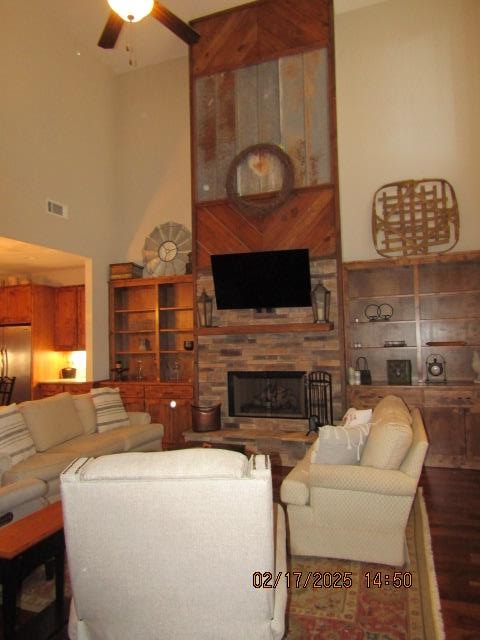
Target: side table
25, 545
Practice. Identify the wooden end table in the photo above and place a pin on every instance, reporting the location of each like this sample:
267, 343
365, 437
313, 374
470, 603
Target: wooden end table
25, 545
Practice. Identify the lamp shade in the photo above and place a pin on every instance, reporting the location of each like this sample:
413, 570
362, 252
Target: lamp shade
131, 10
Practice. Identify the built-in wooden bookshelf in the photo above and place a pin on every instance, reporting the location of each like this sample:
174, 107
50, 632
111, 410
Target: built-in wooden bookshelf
435, 303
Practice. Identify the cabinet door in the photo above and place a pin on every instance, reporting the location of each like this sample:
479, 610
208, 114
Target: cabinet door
176, 417
16, 304
81, 318
472, 428
445, 428
46, 390
66, 318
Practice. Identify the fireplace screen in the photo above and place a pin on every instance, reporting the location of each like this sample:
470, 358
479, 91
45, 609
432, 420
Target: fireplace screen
267, 394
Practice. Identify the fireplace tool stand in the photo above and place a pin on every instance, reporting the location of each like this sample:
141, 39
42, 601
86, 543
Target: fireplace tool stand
320, 409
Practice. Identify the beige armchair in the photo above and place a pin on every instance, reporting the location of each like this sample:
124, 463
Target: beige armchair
359, 511
166, 545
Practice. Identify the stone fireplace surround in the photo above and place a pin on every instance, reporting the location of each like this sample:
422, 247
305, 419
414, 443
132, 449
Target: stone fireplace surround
244, 340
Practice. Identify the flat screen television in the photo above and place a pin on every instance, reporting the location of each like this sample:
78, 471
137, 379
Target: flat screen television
262, 280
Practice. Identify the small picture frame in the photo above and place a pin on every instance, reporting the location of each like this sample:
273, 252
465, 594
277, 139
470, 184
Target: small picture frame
399, 372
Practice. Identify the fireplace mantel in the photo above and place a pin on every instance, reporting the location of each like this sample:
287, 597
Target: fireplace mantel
300, 327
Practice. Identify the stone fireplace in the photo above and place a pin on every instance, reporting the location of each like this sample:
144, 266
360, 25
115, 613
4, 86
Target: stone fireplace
284, 340
267, 394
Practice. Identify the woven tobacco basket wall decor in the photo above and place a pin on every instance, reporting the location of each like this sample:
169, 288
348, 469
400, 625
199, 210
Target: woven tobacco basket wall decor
415, 217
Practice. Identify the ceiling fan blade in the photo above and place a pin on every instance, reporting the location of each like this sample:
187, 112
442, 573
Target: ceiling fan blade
111, 31
177, 26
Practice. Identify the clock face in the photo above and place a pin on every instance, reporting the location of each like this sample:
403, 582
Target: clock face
167, 251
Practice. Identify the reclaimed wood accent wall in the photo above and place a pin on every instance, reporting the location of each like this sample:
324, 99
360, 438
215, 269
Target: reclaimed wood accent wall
263, 73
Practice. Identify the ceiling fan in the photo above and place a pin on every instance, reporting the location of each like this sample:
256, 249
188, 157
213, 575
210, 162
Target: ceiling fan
134, 11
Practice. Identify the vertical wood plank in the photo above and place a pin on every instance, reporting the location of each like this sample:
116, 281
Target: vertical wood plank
225, 83
205, 125
268, 103
246, 91
268, 107
292, 116
317, 117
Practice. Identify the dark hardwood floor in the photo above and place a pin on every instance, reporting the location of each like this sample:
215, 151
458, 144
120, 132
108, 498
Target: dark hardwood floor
452, 497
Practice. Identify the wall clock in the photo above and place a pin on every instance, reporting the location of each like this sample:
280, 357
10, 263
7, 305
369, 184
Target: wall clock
167, 250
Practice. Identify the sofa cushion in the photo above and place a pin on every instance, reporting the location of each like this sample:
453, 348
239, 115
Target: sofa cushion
51, 420
86, 412
15, 438
44, 466
136, 436
387, 444
339, 445
93, 445
109, 409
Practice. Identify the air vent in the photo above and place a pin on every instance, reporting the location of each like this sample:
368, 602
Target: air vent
57, 209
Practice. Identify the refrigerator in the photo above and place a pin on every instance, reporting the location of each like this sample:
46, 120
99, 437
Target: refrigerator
16, 358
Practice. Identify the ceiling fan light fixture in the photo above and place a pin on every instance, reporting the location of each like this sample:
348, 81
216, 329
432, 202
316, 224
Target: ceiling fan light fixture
132, 10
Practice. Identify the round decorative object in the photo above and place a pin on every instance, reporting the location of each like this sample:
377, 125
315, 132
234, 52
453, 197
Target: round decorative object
166, 250
260, 169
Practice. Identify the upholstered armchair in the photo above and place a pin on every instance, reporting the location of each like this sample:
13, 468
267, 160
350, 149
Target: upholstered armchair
166, 545
359, 511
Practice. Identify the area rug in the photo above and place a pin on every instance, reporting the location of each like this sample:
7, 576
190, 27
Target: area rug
360, 612
369, 609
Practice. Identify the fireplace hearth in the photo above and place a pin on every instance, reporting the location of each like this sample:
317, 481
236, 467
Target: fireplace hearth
267, 394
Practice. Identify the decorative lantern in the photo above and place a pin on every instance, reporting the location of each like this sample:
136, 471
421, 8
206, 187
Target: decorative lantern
204, 310
320, 303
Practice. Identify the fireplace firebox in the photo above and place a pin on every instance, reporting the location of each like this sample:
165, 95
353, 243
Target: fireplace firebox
267, 394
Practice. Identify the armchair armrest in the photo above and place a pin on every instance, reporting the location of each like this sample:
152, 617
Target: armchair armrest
139, 417
12, 495
361, 478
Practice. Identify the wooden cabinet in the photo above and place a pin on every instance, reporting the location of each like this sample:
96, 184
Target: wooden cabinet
435, 313
168, 404
70, 318
151, 328
16, 304
47, 389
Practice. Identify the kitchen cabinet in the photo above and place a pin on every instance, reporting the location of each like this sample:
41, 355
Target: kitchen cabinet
167, 404
47, 389
16, 304
70, 318
433, 304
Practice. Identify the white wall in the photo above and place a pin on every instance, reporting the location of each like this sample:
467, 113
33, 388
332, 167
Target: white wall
57, 137
153, 152
408, 105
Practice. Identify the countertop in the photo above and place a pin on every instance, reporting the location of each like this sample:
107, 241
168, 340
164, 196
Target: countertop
63, 381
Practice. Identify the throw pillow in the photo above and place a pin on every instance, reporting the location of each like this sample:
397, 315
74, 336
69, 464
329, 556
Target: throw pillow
339, 445
388, 443
51, 421
15, 438
354, 417
109, 409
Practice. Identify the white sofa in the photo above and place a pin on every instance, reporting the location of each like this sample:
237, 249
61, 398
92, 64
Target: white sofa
359, 511
64, 427
206, 534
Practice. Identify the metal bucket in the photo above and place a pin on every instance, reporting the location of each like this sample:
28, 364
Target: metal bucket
206, 418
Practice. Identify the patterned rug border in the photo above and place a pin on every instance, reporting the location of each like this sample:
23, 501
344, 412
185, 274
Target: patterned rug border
432, 610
